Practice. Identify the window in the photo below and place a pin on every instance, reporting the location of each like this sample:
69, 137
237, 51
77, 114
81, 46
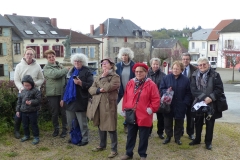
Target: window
92, 55
203, 45
115, 49
41, 32
229, 44
140, 44
1, 49
74, 50
16, 48
53, 32
0, 30
28, 31
212, 47
193, 45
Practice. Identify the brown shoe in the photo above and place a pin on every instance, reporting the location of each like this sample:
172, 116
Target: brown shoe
125, 157
143, 158
112, 154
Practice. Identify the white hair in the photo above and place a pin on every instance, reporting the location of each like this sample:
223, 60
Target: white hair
126, 51
155, 59
79, 57
202, 59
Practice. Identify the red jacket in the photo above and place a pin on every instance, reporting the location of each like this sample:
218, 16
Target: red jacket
149, 97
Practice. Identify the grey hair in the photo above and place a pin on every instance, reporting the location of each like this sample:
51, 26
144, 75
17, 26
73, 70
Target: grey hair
202, 59
126, 51
79, 57
155, 59
186, 54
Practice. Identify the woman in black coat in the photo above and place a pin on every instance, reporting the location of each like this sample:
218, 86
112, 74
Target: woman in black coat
206, 86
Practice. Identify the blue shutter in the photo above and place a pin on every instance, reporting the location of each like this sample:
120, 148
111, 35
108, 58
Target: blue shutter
86, 49
6, 32
92, 52
79, 50
5, 67
4, 48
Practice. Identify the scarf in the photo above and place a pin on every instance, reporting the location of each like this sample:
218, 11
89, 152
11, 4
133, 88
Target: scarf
138, 83
202, 79
70, 91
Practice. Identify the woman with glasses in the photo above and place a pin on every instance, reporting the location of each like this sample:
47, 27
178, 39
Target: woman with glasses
55, 75
75, 97
141, 94
180, 101
206, 86
104, 93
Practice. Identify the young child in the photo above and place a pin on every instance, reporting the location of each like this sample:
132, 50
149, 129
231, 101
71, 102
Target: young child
28, 104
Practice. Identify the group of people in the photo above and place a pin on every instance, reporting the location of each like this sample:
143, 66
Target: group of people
139, 87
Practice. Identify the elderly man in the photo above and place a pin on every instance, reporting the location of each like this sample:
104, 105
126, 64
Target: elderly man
27, 66
188, 71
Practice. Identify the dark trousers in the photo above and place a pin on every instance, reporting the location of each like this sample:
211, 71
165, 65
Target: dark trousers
199, 121
103, 139
30, 118
160, 124
54, 104
190, 122
143, 140
168, 126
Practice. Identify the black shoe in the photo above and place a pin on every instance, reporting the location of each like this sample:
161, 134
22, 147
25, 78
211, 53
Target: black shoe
209, 146
167, 140
178, 142
191, 137
63, 134
55, 133
17, 134
161, 136
193, 143
82, 143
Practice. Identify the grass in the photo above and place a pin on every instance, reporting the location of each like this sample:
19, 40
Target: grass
225, 146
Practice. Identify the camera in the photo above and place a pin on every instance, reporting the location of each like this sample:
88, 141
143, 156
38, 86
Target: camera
208, 110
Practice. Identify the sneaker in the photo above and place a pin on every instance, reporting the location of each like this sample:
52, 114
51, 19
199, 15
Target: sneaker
25, 138
55, 132
125, 157
35, 141
112, 154
63, 134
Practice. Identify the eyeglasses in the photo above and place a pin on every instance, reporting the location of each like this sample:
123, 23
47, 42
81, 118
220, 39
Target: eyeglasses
104, 63
29, 54
202, 65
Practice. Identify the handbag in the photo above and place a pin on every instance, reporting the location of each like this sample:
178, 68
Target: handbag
164, 108
222, 103
90, 110
130, 114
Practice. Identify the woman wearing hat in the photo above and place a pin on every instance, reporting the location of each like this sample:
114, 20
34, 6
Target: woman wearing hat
104, 91
143, 92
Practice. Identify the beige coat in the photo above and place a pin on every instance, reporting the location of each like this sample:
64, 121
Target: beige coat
104, 105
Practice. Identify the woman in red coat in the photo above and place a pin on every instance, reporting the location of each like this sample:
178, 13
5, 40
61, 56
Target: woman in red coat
147, 104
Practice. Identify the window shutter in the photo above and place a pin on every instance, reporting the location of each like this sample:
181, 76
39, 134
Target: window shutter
4, 48
87, 52
5, 67
92, 53
79, 50
6, 32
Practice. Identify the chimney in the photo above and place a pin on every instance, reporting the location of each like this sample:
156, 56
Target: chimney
190, 34
54, 22
122, 19
14, 14
101, 28
91, 29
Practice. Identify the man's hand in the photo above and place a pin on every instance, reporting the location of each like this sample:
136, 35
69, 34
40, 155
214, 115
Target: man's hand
207, 100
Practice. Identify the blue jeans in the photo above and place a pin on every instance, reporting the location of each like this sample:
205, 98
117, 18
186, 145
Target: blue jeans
143, 139
30, 118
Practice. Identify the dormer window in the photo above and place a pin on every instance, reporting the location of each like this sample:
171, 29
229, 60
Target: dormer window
53, 32
28, 32
41, 32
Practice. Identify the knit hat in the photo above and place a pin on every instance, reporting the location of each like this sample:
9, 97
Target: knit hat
139, 65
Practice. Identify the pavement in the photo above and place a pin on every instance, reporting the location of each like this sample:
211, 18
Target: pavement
232, 92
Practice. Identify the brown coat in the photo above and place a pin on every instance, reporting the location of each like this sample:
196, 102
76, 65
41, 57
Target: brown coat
104, 105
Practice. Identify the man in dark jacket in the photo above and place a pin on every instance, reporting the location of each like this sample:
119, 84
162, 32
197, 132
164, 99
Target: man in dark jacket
188, 71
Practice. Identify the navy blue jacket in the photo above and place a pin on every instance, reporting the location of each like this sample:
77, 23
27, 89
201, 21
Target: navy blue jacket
182, 94
119, 72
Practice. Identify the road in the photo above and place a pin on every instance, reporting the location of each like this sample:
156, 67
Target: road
232, 92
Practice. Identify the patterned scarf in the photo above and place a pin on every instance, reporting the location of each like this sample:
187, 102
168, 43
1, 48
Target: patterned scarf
202, 79
70, 91
138, 83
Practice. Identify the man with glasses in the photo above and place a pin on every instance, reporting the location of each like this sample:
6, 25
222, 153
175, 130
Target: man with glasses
27, 66
188, 71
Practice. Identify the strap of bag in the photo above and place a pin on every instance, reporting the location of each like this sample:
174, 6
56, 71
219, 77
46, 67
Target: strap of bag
135, 106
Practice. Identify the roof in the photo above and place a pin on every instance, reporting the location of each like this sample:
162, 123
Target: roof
214, 35
22, 23
4, 22
232, 27
164, 43
79, 38
200, 35
119, 28
15, 37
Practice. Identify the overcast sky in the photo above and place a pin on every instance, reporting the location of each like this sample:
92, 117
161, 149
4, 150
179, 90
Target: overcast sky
148, 14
